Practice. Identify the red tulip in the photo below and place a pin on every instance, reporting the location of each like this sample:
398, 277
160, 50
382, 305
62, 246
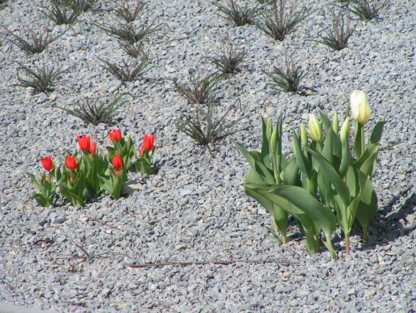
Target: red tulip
71, 162
47, 163
117, 162
115, 135
84, 143
93, 148
148, 143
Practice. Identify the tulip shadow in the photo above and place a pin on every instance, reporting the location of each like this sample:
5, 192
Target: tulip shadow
390, 226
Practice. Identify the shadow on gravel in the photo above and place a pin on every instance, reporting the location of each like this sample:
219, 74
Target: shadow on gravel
392, 226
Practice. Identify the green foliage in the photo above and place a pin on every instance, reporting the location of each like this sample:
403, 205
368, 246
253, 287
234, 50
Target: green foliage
130, 13
60, 14
205, 126
239, 15
337, 37
40, 78
79, 6
198, 91
96, 111
322, 184
367, 10
128, 71
281, 21
36, 42
133, 50
286, 78
129, 32
229, 60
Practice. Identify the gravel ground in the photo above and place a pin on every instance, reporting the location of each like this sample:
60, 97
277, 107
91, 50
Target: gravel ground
211, 243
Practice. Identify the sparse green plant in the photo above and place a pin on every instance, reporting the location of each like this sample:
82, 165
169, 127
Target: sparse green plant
198, 91
80, 6
129, 33
128, 71
3, 4
35, 43
282, 20
287, 77
60, 14
239, 15
205, 126
229, 60
367, 9
134, 50
337, 37
96, 111
130, 13
40, 78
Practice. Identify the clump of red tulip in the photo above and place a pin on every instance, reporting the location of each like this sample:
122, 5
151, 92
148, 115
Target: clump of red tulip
86, 174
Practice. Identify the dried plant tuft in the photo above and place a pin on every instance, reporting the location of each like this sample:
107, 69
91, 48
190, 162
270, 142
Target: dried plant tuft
287, 78
239, 15
198, 91
60, 14
128, 71
337, 37
129, 33
40, 78
367, 10
229, 60
282, 20
130, 13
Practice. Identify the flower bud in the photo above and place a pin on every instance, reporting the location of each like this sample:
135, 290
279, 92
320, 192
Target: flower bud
148, 143
47, 163
71, 162
117, 162
115, 135
360, 109
345, 129
314, 128
335, 123
84, 143
303, 135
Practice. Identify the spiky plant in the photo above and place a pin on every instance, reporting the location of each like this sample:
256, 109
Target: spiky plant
60, 14
229, 60
80, 6
39, 78
337, 37
129, 33
239, 15
287, 77
36, 42
3, 4
198, 91
282, 20
96, 111
128, 71
367, 9
130, 13
205, 126
134, 50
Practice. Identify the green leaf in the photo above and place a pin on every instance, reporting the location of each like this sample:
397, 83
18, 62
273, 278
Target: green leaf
301, 161
332, 175
291, 173
377, 133
367, 208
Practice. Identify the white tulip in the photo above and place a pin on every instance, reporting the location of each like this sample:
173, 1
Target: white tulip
360, 109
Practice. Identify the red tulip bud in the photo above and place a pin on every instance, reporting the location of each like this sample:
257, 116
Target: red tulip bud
93, 148
117, 162
47, 163
71, 162
84, 143
148, 143
115, 135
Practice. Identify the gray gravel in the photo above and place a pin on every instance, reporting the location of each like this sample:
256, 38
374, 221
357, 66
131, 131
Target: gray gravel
195, 210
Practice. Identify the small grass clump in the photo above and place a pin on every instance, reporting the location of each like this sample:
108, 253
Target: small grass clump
337, 37
229, 60
3, 4
40, 78
237, 14
61, 14
134, 50
129, 33
198, 91
282, 20
287, 78
128, 71
96, 111
367, 10
205, 126
36, 42
80, 6
130, 13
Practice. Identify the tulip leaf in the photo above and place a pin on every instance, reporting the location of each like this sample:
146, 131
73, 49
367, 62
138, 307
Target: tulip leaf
367, 208
332, 176
300, 158
351, 180
377, 132
291, 173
